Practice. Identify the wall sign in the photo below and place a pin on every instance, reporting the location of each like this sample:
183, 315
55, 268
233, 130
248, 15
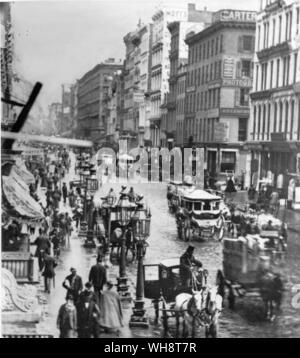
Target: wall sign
237, 83
221, 133
228, 68
235, 15
235, 112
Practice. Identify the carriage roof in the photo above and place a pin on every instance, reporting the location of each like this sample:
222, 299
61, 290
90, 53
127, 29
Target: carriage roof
170, 263
198, 195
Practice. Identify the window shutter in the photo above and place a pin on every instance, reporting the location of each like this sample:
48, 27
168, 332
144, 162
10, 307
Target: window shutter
238, 69
240, 44
237, 97
253, 44
251, 69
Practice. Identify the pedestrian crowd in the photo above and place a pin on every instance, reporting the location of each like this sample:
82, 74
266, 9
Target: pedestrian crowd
89, 308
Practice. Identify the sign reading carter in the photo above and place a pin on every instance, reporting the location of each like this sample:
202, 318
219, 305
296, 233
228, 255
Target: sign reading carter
235, 15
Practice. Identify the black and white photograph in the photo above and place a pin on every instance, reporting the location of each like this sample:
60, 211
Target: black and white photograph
150, 171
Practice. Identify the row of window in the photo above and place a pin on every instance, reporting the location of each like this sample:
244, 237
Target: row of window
203, 101
200, 52
286, 73
278, 27
276, 118
204, 74
202, 129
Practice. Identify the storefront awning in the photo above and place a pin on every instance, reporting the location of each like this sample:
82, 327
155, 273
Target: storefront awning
19, 199
21, 171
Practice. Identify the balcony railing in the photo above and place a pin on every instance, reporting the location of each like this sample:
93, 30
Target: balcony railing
21, 264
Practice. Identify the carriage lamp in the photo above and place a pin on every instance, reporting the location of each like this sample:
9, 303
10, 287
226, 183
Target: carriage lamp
141, 223
92, 183
141, 230
124, 212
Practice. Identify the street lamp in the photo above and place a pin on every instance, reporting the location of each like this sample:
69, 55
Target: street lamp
107, 205
141, 230
124, 211
90, 189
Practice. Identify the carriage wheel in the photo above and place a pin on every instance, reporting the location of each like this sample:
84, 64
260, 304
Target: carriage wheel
231, 299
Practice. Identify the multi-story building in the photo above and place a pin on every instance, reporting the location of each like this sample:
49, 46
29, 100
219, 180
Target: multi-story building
274, 129
93, 90
66, 123
160, 67
114, 106
180, 103
54, 116
137, 84
197, 20
218, 83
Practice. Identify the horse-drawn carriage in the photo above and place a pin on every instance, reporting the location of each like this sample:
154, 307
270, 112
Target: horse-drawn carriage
198, 305
200, 216
174, 190
249, 268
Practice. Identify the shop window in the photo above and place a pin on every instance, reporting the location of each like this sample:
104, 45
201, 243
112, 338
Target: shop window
228, 161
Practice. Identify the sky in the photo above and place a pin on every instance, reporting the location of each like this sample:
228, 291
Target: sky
57, 42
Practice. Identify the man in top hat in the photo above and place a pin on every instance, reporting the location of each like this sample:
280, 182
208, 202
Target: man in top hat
73, 284
187, 260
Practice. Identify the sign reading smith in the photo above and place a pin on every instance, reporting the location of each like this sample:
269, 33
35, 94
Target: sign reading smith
235, 15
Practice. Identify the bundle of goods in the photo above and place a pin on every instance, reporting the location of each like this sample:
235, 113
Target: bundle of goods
263, 221
243, 257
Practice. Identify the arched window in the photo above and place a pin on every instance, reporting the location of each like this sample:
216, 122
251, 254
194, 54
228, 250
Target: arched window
292, 119
280, 117
254, 123
275, 118
286, 118
264, 122
259, 122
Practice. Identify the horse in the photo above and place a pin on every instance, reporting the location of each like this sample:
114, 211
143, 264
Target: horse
201, 308
271, 290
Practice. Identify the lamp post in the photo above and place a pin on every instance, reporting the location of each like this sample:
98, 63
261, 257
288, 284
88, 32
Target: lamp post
91, 188
107, 206
124, 212
141, 230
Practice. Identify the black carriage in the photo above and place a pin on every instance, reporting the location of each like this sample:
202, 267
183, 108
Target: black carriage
162, 284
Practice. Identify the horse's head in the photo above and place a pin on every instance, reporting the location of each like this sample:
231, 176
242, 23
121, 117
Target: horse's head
213, 301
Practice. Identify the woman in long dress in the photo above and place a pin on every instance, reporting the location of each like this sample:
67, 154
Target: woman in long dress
111, 316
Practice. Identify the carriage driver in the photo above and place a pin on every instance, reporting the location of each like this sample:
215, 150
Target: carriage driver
187, 260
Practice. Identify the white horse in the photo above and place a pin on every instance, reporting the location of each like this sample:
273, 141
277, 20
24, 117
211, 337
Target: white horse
201, 308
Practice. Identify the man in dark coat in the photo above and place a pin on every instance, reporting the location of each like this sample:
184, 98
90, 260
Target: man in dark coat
65, 192
186, 262
88, 313
48, 273
73, 284
43, 244
97, 277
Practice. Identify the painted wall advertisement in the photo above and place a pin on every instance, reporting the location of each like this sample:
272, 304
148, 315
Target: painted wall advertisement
228, 67
221, 132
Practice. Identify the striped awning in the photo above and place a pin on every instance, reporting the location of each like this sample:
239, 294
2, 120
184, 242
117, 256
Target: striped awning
20, 202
